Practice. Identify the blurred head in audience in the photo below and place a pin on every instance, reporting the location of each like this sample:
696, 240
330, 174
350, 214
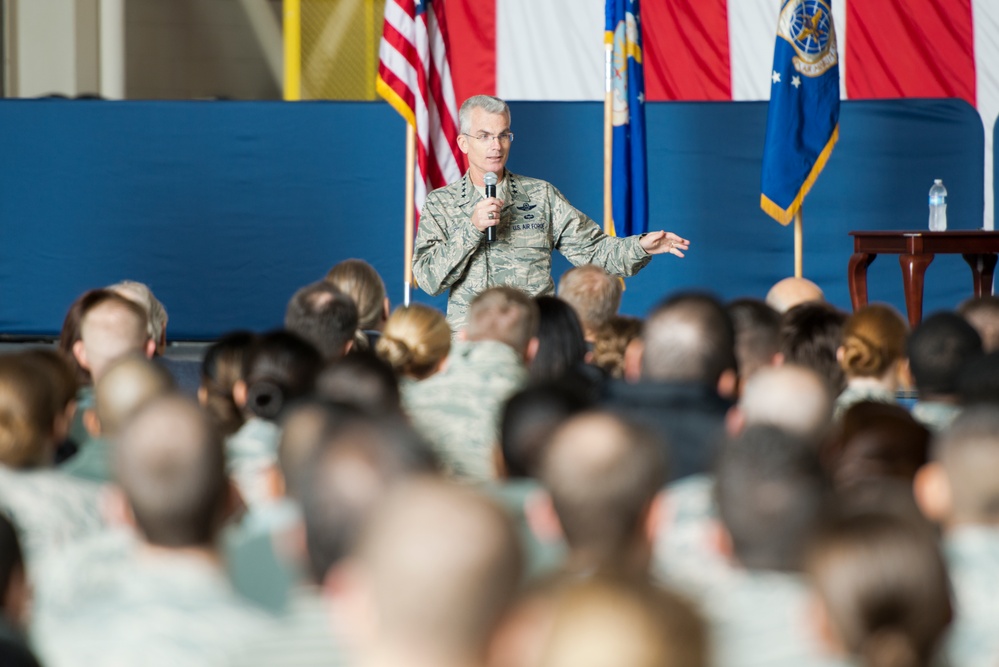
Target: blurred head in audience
771, 494
340, 463
361, 379
883, 590
938, 350
529, 419
435, 569
611, 341
791, 292
27, 414
170, 466
810, 336
593, 293
876, 441
70, 333
359, 280
769, 395
757, 335
415, 341
689, 338
960, 485
601, 621
874, 346
324, 316
61, 377
982, 312
111, 326
506, 315
280, 368
604, 475
127, 385
142, 295
561, 346
221, 368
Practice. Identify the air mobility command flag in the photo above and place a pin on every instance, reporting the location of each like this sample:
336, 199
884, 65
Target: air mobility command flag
629, 180
803, 117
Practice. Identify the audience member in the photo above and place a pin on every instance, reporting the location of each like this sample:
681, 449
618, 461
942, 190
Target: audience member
610, 343
791, 292
111, 326
335, 464
593, 293
164, 598
140, 294
279, 369
49, 508
561, 346
810, 336
457, 410
431, 577
415, 341
599, 621
682, 379
872, 356
771, 496
361, 282
875, 441
757, 336
603, 476
959, 490
790, 397
14, 600
221, 368
325, 317
938, 350
978, 381
128, 383
883, 591
69, 335
362, 379
63, 386
982, 312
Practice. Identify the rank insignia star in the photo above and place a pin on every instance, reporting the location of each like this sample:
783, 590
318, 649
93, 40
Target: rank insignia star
775, 77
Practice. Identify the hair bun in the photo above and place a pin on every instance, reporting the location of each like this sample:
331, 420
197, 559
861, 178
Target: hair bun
265, 399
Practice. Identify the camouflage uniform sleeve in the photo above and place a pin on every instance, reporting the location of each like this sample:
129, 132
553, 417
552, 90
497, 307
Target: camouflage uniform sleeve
445, 244
582, 241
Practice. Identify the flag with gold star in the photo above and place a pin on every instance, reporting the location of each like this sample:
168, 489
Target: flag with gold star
803, 116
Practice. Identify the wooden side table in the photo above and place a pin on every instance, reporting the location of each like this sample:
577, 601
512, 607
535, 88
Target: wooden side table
915, 251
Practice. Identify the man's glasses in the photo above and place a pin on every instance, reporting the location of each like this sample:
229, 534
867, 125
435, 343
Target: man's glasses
486, 139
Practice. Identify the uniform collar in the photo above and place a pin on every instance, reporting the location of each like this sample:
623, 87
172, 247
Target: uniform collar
514, 187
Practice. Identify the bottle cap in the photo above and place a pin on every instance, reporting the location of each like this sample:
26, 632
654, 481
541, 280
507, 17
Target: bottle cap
938, 181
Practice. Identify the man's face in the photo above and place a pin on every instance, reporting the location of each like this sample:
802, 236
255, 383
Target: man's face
486, 156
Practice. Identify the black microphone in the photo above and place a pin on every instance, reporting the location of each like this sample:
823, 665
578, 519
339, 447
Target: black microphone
490, 181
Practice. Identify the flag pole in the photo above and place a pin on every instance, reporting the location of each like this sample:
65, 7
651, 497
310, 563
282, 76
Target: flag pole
292, 50
608, 135
410, 210
797, 243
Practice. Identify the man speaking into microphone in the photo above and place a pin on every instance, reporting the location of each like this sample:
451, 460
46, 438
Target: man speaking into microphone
477, 233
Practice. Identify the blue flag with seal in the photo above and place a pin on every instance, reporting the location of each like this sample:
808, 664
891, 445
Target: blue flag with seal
626, 89
803, 116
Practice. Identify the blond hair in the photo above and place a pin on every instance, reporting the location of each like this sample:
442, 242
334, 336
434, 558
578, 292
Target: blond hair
415, 340
359, 280
873, 339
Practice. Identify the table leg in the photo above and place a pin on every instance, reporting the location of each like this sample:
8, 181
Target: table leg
982, 269
857, 278
913, 271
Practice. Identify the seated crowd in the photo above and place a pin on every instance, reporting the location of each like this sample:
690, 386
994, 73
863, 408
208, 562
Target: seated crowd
763, 482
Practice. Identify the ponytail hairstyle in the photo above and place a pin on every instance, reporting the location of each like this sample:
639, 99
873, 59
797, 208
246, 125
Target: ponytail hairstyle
883, 584
221, 369
280, 368
415, 341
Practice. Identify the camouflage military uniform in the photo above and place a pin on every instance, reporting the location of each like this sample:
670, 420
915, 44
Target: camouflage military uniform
457, 410
452, 254
972, 554
108, 603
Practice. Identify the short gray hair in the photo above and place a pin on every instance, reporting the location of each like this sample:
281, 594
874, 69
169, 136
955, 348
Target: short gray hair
487, 103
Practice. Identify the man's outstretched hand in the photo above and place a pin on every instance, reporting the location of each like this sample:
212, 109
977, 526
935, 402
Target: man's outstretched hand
657, 243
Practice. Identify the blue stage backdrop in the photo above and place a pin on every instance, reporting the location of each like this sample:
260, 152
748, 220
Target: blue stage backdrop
225, 208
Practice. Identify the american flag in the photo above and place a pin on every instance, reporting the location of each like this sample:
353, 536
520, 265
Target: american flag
414, 76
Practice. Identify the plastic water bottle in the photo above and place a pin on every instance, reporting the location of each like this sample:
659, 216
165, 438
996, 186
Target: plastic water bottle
938, 207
